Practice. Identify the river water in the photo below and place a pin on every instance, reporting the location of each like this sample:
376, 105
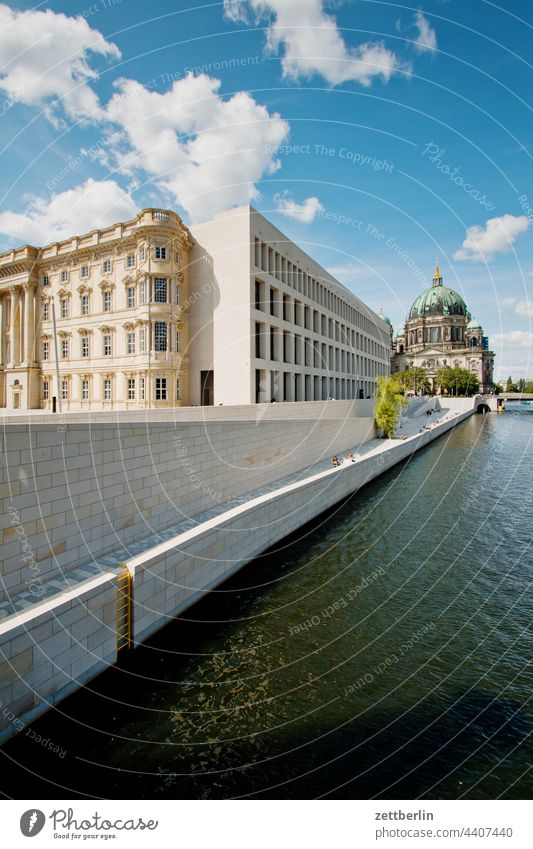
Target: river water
381, 652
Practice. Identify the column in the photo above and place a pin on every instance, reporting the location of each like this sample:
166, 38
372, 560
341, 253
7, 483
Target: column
29, 324
2, 334
13, 354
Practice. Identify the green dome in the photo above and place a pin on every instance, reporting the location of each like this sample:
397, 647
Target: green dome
437, 301
385, 318
473, 325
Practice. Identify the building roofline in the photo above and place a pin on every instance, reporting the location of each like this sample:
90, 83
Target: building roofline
326, 275
78, 236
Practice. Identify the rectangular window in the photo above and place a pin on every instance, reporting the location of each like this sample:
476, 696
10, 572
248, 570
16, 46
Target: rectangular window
130, 342
46, 312
131, 389
160, 336
107, 301
46, 349
258, 295
160, 253
107, 389
258, 340
64, 349
160, 389
141, 254
106, 266
64, 390
63, 276
106, 340
142, 292
178, 389
46, 280
142, 340
142, 389
178, 342
46, 390
131, 296
85, 346
130, 261
85, 390
84, 271
84, 304
64, 308
160, 290
178, 294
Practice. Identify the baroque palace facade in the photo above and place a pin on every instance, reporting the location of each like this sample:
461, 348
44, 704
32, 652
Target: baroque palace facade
147, 314
97, 321
440, 332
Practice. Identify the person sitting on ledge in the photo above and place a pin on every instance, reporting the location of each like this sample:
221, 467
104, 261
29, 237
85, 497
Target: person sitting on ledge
351, 457
335, 460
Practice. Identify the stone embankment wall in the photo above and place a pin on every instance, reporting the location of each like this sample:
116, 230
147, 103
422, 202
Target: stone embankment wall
135, 479
77, 487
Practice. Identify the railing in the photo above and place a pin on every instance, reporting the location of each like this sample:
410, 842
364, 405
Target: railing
160, 216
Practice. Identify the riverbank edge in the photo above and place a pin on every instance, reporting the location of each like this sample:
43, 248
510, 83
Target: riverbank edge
58, 645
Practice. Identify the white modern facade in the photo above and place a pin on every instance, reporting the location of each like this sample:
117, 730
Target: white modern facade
267, 323
147, 314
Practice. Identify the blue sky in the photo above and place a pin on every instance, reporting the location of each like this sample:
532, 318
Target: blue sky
377, 135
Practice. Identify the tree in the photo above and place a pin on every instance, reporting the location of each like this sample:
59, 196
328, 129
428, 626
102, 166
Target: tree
389, 403
498, 389
510, 386
457, 381
413, 379
521, 385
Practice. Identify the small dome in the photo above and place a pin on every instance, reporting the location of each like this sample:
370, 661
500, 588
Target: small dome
385, 318
437, 300
473, 325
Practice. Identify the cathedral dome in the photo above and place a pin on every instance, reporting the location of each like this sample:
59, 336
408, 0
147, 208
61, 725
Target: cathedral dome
438, 300
385, 318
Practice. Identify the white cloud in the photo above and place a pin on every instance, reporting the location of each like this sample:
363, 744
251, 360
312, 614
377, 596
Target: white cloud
514, 353
304, 212
481, 243
313, 44
524, 309
87, 207
44, 58
512, 339
205, 152
345, 273
508, 302
426, 40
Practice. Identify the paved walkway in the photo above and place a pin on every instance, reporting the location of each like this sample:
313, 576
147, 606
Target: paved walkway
179, 533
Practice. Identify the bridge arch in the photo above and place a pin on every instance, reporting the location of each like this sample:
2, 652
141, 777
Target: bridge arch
482, 408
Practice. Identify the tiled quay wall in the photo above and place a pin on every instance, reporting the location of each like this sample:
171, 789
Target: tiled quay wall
169, 579
53, 649
78, 487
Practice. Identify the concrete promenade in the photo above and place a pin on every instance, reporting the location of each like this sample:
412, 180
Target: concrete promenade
53, 642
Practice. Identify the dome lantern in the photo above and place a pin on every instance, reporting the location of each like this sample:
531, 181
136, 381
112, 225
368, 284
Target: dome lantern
437, 277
